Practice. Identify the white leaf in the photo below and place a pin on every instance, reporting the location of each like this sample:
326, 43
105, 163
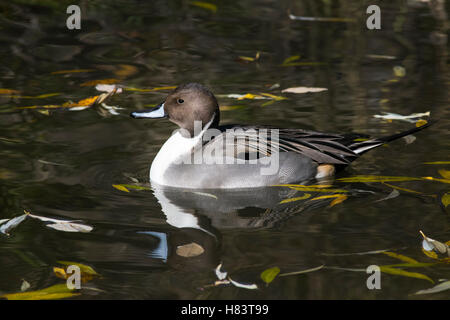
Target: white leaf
70, 227
108, 88
12, 223
391, 195
220, 275
243, 285
438, 288
408, 118
303, 90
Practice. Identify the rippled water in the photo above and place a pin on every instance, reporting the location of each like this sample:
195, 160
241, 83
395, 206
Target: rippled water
63, 164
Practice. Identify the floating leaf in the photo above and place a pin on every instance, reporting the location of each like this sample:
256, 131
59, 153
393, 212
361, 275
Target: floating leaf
70, 227
25, 285
338, 200
83, 268
250, 59
421, 123
205, 5
302, 271
399, 71
446, 199
409, 118
392, 195
436, 179
220, 275
305, 196
63, 225
430, 244
400, 257
243, 285
190, 250
96, 82
204, 194
404, 273
269, 275
444, 173
11, 224
120, 187
321, 19
402, 189
369, 178
303, 90
328, 196
58, 291
438, 288
437, 162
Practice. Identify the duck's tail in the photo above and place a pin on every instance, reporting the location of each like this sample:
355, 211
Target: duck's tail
364, 146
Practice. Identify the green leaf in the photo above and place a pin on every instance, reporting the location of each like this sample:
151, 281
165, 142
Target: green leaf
400, 272
58, 291
269, 274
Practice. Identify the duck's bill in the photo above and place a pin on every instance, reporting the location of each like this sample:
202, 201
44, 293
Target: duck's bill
155, 113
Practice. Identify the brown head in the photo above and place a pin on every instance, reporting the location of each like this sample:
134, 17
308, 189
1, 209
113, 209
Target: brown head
185, 105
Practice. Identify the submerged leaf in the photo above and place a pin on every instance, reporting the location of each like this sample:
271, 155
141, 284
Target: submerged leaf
338, 200
437, 162
72, 71
190, 250
328, 196
269, 275
291, 59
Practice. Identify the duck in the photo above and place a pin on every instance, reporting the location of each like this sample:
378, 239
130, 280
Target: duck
202, 154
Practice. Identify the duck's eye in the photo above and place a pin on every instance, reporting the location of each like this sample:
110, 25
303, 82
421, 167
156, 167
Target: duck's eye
180, 100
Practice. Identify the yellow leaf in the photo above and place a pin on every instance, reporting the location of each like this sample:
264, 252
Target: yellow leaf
60, 273
249, 96
82, 103
338, 200
400, 257
402, 189
273, 96
44, 112
205, 5
437, 179
120, 187
305, 196
83, 268
369, 178
95, 82
404, 273
58, 291
421, 123
328, 196
399, 71
444, 173
437, 162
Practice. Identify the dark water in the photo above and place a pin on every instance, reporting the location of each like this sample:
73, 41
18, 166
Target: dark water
63, 164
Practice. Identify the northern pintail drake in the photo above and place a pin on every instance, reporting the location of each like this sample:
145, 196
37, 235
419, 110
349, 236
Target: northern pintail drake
201, 154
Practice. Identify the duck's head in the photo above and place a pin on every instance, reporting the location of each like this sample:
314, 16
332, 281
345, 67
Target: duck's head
184, 106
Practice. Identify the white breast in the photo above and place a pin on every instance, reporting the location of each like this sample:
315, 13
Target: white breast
172, 150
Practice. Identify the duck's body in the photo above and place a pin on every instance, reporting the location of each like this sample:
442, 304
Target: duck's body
203, 155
